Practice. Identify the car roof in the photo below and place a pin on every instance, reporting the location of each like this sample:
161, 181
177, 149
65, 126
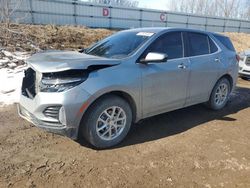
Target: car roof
162, 29
149, 29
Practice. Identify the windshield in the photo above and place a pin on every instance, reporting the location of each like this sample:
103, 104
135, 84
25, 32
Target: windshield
119, 45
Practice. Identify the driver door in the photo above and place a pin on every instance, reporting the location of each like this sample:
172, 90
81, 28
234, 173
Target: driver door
164, 84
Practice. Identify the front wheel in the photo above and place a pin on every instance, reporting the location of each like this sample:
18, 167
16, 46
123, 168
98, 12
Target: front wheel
220, 94
107, 122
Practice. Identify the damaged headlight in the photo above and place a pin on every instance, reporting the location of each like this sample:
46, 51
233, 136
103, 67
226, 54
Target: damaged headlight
62, 81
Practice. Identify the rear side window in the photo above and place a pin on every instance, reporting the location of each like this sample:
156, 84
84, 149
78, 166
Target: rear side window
213, 47
170, 44
225, 41
198, 44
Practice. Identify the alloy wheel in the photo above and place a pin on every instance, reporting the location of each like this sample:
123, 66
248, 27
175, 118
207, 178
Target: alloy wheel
111, 123
221, 94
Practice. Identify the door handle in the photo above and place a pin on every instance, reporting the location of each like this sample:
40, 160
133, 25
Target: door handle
182, 66
217, 60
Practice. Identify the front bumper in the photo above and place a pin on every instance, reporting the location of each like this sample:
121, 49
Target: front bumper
244, 69
244, 73
71, 102
62, 130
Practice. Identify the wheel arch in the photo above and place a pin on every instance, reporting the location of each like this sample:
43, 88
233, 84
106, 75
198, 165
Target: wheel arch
128, 98
229, 78
124, 95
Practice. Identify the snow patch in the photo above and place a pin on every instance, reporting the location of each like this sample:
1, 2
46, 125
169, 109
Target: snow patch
10, 87
12, 59
11, 76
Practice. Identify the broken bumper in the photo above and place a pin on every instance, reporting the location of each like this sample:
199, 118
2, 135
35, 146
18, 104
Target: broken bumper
62, 130
55, 112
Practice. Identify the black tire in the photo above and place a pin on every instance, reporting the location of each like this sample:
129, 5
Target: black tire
212, 100
89, 122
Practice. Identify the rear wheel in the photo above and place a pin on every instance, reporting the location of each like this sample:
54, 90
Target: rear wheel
220, 94
107, 122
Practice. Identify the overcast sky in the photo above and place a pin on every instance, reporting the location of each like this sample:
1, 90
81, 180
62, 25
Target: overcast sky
155, 4
161, 4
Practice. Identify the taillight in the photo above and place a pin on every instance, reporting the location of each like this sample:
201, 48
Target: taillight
237, 57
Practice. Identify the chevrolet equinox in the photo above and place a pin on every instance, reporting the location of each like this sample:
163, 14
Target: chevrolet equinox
99, 92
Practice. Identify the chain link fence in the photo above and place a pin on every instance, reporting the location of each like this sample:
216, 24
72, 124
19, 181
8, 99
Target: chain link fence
73, 12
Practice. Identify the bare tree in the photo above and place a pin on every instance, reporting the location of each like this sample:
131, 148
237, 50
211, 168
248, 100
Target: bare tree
127, 3
229, 8
248, 13
222, 8
245, 13
7, 10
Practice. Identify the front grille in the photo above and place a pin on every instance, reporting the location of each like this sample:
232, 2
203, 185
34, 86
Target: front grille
52, 112
248, 61
29, 83
246, 71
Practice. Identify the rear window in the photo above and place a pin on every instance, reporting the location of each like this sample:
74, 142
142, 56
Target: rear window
213, 47
198, 44
225, 41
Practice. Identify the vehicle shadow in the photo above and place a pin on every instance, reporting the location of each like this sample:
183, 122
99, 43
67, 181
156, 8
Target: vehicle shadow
178, 121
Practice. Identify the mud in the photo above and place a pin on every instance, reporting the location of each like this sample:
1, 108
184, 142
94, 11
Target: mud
191, 147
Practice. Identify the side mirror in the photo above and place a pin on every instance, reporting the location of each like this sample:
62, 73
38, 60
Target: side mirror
82, 50
153, 57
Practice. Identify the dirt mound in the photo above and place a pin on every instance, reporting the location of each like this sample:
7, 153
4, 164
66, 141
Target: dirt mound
21, 37
240, 40
31, 38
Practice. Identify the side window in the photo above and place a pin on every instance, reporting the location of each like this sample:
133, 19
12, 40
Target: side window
226, 42
198, 44
213, 47
170, 44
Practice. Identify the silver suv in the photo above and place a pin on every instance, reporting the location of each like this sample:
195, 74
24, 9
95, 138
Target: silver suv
131, 75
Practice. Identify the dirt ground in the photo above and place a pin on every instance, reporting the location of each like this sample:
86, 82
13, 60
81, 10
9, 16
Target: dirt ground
192, 147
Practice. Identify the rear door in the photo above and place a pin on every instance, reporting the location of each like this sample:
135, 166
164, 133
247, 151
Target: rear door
205, 65
164, 85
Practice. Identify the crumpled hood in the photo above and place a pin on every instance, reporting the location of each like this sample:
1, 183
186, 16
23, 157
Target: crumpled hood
56, 61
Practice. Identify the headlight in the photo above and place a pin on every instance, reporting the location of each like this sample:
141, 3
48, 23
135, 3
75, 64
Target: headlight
62, 81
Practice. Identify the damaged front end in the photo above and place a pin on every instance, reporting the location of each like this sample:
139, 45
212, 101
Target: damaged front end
62, 81
58, 71
51, 100
51, 95
34, 82
29, 83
